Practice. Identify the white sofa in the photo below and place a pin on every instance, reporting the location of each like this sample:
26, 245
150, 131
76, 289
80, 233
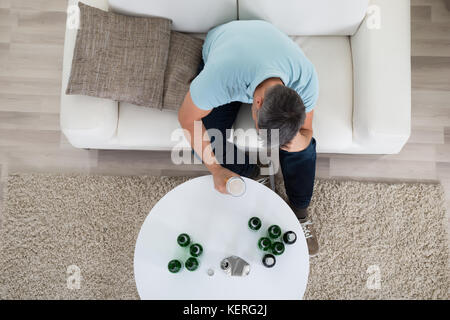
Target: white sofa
362, 60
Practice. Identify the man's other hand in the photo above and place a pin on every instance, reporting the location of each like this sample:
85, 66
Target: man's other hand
303, 138
299, 143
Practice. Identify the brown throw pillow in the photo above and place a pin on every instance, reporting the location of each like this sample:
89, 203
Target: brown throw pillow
120, 57
185, 55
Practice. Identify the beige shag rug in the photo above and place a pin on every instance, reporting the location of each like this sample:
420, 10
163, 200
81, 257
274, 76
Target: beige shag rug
378, 241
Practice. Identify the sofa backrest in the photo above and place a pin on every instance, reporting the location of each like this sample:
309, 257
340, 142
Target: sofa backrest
197, 16
307, 17
294, 17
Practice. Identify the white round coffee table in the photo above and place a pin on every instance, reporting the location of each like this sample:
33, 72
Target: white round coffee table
219, 223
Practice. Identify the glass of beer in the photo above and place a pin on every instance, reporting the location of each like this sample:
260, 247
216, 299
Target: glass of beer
236, 186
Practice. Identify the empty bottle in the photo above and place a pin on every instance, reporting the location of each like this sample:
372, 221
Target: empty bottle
269, 260
274, 231
184, 240
289, 237
277, 248
174, 266
191, 264
254, 223
196, 250
264, 244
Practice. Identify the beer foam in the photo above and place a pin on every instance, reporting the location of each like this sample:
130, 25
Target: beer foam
236, 186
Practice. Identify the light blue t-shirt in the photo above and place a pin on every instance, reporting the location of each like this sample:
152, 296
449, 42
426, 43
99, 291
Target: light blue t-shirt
239, 55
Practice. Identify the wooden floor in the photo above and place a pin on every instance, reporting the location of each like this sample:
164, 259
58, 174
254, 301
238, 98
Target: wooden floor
31, 50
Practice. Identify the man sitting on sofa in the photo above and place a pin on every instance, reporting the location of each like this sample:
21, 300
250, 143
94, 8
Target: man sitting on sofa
254, 62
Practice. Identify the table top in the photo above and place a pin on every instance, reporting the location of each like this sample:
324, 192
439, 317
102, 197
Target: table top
219, 222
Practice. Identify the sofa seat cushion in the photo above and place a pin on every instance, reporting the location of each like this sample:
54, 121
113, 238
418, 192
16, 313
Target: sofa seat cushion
332, 122
148, 128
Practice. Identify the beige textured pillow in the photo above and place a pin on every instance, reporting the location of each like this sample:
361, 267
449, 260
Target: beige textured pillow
185, 55
120, 57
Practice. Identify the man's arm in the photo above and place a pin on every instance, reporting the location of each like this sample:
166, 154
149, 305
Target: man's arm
303, 138
188, 114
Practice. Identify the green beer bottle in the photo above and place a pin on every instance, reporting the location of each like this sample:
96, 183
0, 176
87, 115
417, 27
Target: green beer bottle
191, 264
196, 250
254, 223
264, 244
174, 266
184, 240
274, 231
277, 248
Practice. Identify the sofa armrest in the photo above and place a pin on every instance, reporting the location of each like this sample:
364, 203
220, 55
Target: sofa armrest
85, 120
382, 78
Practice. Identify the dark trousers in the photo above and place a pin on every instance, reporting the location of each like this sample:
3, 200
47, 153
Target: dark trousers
298, 168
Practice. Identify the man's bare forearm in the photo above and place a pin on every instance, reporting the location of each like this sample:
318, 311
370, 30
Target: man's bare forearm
190, 118
201, 147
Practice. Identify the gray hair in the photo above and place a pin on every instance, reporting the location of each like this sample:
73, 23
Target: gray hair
282, 109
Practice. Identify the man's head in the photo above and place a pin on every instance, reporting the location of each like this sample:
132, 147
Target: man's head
276, 106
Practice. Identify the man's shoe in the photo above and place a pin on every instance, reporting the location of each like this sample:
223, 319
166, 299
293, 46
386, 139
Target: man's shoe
308, 230
311, 237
